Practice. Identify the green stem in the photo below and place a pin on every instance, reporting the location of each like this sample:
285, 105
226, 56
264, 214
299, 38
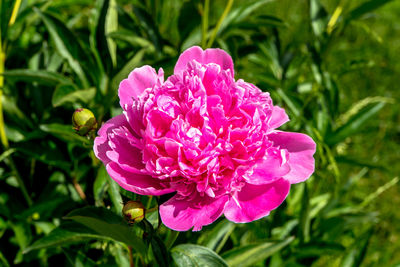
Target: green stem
171, 239
20, 181
219, 23
205, 23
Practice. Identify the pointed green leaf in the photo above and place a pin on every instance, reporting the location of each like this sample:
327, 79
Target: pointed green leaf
251, 254
43, 77
365, 8
188, 255
64, 132
216, 238
66, 44
68, 233
68, 93
108, 224
355, 124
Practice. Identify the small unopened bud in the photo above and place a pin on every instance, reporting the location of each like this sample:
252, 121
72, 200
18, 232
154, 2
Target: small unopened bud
84, 121
133, 211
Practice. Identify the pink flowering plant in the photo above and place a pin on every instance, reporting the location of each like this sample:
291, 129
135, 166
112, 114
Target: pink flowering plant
211, 140
107, 161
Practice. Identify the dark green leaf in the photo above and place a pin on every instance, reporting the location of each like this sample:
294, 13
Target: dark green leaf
366, 7
64, 132
68, 93
108, 224
188, 255
147, 23
160, 251
68, 233
42, 77
66, 43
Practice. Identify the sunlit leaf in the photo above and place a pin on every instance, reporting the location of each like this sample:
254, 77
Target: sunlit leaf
188, 255
251, 254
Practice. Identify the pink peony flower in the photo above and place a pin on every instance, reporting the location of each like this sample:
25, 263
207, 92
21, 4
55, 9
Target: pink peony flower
205, 136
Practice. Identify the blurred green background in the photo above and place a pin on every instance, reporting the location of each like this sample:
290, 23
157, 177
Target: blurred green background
332, 64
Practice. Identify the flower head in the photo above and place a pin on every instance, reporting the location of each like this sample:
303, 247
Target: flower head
207, 137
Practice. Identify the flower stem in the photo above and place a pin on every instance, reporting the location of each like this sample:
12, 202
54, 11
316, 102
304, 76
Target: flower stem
131, 263
219, 23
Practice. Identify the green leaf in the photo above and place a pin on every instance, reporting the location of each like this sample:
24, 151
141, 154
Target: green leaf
355, 124
111, 26
160, 251
105, 21
216, 238
68, 93
242, 12
113, 190
319, 17
148, 25
66, 43
132, 39
365, 8
356, 254
3, 260
42, 77
66, 234
318, 249
44, 153
64, 132
249, 255
304, 228
108, 224
100, 186
188, 255
134, 62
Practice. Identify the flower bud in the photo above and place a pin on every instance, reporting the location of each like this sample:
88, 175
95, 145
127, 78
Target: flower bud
84, 121
133, 211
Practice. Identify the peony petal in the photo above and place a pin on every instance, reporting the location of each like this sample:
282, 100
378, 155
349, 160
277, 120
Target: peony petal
269, 170
301, 149
138, 183
256, 201
101, 145
212, 55
138, 80
181, 214
278, 118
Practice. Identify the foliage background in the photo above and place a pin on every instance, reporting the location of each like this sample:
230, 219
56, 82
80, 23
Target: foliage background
333, 65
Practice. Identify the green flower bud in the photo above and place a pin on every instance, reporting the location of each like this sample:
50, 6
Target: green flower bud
84, 121
133, 211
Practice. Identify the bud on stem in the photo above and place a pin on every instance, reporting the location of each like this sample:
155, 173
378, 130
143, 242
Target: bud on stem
133, 211
84, 121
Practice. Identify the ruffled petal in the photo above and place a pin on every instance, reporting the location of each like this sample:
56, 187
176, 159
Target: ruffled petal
101, 145
212, 55
256, 201
181, 214
278, 118
301, 149
142, 184
138, 80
